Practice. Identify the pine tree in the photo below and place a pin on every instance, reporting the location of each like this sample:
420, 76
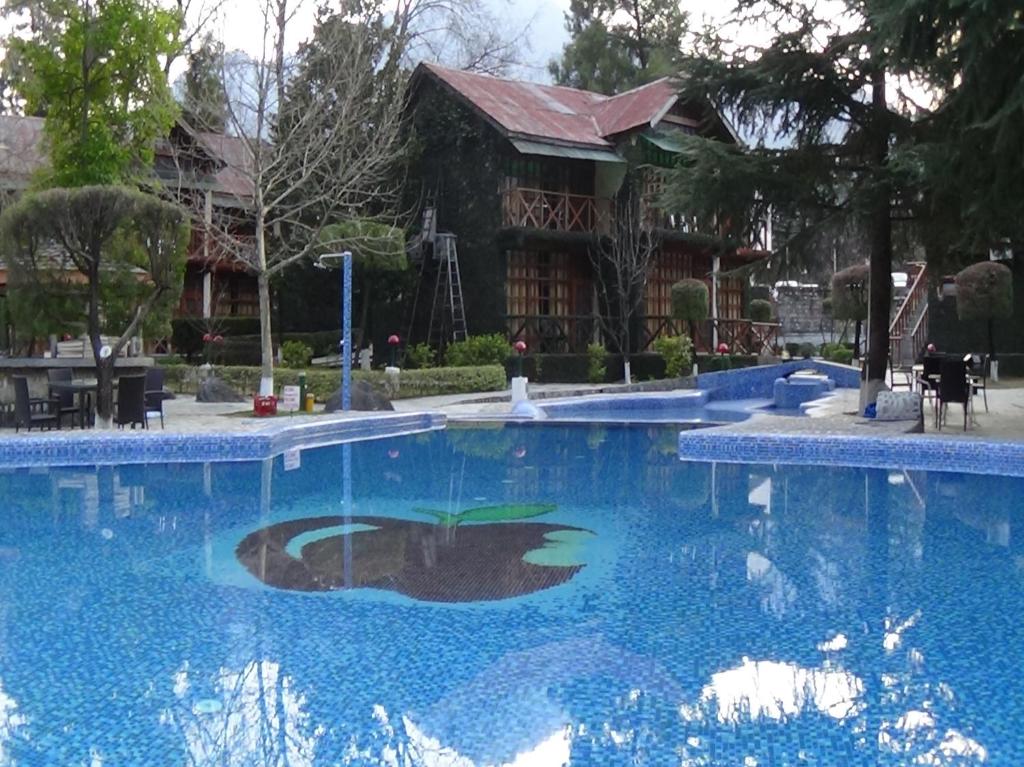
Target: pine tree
203, 102
618, 45
817, 102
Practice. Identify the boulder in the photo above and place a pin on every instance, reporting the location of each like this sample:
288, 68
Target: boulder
215, 390
364, 397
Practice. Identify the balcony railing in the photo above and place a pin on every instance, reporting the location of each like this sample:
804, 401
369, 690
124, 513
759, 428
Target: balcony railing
547, 334
557, 211
742, 336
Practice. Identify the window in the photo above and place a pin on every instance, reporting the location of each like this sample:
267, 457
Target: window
730, 298
548, 300
667, 270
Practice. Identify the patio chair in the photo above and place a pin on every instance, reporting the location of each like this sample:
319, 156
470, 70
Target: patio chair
953, 387
900, 377
33, 411
131, 401
978, 370
67, 406
155, 395
927, 382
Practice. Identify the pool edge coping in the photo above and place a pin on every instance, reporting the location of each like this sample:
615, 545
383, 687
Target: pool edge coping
892, 451
113, 447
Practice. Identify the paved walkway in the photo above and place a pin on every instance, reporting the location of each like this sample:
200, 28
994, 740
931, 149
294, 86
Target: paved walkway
835, 414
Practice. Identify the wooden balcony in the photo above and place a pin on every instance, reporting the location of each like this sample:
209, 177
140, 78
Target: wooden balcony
555, 211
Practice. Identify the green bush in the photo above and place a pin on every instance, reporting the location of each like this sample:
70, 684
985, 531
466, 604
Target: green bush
760, 310
491, 349
984, 291
806, 351
837, 352
322, 383
792, 349
690, 300
597, 363
295, 354
677, 352
419, 357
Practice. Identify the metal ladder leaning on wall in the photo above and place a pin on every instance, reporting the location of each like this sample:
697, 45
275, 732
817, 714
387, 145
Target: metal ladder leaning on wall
447, 312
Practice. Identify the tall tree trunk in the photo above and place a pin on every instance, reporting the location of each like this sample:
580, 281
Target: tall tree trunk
104, 367
266, 340
263, 283
880, 238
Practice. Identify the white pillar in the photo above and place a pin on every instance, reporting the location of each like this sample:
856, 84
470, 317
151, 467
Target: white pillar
207, 295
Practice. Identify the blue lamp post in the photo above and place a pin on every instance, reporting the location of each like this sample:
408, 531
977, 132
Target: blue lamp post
346, 322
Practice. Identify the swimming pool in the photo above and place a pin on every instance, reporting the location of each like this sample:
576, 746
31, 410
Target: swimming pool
517, 594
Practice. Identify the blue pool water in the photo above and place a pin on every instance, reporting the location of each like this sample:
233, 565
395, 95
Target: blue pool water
519, 594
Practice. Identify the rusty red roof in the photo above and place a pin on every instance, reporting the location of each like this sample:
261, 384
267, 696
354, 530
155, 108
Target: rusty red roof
555, 113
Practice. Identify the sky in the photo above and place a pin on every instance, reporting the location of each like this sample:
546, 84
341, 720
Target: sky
241, 28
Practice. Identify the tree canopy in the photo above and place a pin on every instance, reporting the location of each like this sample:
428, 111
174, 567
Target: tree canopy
103, 258
616, 45
95, 72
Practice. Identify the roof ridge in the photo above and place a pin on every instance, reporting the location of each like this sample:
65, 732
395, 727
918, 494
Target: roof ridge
514, 80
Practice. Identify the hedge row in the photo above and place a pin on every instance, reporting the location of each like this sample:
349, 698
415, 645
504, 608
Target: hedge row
323, 383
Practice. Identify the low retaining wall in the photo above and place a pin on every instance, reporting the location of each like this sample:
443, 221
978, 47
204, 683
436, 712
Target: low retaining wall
759, 382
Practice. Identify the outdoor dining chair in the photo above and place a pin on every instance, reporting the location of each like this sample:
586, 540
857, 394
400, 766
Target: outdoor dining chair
155, 395
131, 401
978, 371
67, 406
33, 411
954, 387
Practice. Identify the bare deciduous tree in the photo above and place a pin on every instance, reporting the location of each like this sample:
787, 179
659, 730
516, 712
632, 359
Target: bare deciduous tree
316, 140
621, 262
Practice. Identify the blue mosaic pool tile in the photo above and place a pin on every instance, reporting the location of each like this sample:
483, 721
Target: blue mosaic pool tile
758, 382
119, 447
903, 452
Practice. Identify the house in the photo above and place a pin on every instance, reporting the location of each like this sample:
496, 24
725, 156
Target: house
199, 170
529, 176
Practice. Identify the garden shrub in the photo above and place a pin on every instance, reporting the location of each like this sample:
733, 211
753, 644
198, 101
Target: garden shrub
677, 352
324, 382
419, 356
836, 352
597, 363
806, 351
850, 293
295, 354
793, 349
491, 349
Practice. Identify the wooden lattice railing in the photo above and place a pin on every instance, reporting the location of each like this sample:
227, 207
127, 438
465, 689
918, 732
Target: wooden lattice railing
558, 211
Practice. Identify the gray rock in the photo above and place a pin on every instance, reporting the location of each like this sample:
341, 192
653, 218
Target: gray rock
215, 390
364, 397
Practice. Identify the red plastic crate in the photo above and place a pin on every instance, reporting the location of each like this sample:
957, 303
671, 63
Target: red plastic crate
264, 406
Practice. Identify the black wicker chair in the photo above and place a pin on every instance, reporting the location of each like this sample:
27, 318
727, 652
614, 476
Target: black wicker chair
33, 411
155, 395
131, 401
68, 406
953, 387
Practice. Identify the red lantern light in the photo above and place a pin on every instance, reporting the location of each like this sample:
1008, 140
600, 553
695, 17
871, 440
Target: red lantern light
218, 339
723, 348
931, 348
207, 338
520, 346
393, 339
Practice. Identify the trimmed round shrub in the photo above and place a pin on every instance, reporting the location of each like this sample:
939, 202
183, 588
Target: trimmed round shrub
984, 292
850, 293
690, 300
760, 310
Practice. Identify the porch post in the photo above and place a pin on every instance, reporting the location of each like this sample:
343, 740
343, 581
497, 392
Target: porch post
716, 263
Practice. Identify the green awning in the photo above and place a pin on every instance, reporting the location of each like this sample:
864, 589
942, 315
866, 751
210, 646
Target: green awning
667, 140
572, 153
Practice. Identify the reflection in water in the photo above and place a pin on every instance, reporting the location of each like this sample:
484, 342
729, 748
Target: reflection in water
260, 719
775, 690
10, 723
